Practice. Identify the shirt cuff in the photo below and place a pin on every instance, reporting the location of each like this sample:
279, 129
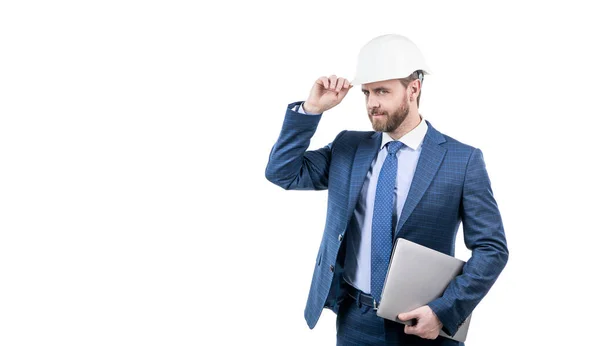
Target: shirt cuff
300, 109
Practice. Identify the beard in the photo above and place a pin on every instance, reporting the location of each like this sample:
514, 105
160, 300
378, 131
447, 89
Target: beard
390, 122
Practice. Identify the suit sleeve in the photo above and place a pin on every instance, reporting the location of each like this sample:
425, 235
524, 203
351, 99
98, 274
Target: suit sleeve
484, 236
290, 165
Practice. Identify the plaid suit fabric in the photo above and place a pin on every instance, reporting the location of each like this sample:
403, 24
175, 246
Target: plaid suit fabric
450, 186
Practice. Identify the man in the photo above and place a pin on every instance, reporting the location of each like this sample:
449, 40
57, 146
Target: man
405, 179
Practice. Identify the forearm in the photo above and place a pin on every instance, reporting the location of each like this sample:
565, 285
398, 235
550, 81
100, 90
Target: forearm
290, 165
467, 290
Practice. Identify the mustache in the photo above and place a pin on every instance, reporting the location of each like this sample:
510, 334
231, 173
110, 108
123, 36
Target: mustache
375, 112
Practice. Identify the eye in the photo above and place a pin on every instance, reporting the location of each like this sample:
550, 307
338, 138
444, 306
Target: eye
383, 91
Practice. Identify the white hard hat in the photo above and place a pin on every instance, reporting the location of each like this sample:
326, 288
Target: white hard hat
388, 57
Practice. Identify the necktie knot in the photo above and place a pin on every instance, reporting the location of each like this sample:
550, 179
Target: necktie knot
394, 146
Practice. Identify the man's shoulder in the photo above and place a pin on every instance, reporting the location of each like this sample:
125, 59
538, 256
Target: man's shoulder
453, 143
349, 140
351, 135
455, 146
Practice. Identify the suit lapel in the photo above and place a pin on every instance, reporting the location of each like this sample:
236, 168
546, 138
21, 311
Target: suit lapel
366, 152
429, 162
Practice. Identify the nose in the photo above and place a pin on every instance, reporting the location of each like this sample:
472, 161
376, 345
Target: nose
372, 102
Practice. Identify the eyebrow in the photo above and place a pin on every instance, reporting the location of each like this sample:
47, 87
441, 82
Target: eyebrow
376, 89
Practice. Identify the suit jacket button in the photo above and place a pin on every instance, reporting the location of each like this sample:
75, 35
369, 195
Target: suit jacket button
340, 237
331, 267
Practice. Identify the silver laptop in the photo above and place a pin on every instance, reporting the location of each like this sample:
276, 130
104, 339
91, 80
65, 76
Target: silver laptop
416, 276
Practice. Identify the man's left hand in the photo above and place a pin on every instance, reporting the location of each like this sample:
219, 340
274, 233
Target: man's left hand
428, 325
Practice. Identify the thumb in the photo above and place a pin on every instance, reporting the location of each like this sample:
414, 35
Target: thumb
408, 316
342, 93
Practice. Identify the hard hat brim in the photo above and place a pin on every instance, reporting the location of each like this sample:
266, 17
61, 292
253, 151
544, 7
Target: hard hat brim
364, 80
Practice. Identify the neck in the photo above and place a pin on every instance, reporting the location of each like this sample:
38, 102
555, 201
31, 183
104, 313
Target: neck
412, 120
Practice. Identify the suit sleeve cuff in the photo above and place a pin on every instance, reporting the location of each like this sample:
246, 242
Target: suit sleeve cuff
298, 107
444, 312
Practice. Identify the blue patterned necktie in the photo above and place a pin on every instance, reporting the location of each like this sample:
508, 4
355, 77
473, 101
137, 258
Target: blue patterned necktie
382, 227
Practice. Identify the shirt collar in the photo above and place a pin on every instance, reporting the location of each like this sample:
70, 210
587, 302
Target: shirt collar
412, 139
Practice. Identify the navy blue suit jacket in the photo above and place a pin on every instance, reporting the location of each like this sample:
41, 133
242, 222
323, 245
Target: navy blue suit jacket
450, 185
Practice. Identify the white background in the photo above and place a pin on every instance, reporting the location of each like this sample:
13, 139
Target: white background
134, 137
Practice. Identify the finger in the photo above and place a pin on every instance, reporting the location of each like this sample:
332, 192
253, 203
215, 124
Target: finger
324, 81
347, 84
332, 80
408, 316
342, 93
410, 330
340, 84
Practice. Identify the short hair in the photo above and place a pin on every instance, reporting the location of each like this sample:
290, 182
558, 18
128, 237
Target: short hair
418, 74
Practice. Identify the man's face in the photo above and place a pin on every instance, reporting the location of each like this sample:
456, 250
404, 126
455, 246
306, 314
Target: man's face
387, 104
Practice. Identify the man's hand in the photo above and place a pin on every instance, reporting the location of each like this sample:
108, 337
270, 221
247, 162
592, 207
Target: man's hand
326, 93
428, 325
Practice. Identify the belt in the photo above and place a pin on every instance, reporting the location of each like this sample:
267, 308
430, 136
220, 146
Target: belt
368, 300
362, 297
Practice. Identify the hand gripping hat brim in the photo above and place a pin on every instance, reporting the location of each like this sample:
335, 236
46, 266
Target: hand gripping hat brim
388, 57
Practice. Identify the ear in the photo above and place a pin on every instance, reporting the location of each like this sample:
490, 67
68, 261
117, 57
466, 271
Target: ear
414, 88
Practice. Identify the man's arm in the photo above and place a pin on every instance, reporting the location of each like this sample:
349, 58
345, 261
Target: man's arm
484, 236
290, 165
